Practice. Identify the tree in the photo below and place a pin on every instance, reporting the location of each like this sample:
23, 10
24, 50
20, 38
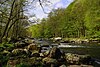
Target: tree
79, 19
15, 15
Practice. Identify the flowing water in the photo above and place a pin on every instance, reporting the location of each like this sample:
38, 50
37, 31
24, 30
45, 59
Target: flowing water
91, 49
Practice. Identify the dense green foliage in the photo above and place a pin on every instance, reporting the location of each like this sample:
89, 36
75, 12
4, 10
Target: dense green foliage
12, 19
80, 19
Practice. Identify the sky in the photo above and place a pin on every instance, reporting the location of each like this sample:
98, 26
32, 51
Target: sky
38, 11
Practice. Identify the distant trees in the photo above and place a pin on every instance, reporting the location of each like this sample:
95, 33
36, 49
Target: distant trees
79, 19
13, 22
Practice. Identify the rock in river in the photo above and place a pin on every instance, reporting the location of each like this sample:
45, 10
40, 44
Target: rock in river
32, 47
55, 53
78, 59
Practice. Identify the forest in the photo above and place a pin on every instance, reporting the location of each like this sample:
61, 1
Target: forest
67, 37
81, 19
12, 19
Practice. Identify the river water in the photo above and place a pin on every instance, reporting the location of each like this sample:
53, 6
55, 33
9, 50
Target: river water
92, 49
82, 49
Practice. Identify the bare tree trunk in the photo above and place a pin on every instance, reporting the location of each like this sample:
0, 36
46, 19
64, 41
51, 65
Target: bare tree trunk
9, 20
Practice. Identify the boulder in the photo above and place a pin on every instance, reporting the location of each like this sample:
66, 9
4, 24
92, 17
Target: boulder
63, 65
35, 61
72, 58
29, 41
49, 61
32, 47
85, 41
55, 53
41, 54
19, 51
20, 44
78, 59
46, 53
57, 38
35, 53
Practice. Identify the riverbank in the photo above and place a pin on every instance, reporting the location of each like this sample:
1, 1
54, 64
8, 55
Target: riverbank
27, 52
77, 40
31, 57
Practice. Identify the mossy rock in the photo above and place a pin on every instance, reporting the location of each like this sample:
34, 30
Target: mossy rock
49, 60
55, 53
72, 58
20, 44
32, 47
35, 53
29, 41
77, 59
19, 52
35, 61
46, 53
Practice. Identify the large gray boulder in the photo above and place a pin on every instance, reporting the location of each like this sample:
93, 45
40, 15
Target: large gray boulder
72, 58
78, 59
55, 53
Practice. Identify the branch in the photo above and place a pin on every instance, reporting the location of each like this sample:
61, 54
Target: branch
12, 25
4, 2
16, 14
8, 19
42, 7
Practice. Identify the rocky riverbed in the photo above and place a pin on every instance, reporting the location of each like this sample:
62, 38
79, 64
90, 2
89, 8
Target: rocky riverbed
26, 53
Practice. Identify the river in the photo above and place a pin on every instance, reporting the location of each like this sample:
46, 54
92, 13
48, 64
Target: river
91, 49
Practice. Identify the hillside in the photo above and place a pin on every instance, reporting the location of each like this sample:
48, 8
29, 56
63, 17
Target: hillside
86, 15
80, 19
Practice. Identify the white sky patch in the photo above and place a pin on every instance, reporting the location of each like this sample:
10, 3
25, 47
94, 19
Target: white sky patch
54, 1
58, 5
38, 11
